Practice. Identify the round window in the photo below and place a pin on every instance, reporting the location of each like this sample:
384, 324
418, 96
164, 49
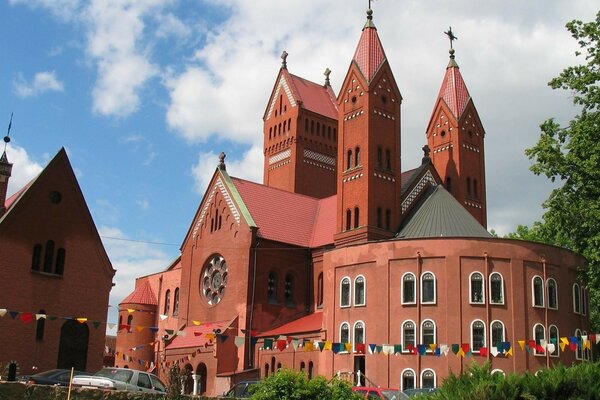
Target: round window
213, 280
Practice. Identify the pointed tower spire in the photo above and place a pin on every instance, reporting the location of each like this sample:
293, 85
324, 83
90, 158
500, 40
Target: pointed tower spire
5, 170
455, 135
369, 54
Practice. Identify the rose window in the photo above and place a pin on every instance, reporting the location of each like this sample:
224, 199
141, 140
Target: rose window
214, 280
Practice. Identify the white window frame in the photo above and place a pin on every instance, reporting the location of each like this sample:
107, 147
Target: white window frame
533, 292
497, 371
587, 353
434, 288
501, 302
354, 334
555, 292
492, 331
471, 288
556, 352
484, 335
340, 336
364, 303
584, 302
349, 292
414, 289
579, 350
414, 376
404, 349
434, 377
535, 352
421, 333
576, 302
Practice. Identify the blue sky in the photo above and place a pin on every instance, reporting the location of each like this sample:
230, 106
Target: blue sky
144, 94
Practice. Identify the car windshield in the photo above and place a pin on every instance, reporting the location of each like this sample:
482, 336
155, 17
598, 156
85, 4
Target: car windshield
116, 374
52, 372
390, 394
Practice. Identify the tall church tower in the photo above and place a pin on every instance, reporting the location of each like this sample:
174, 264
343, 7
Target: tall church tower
300, 135
455, 135
368, 174
5, 172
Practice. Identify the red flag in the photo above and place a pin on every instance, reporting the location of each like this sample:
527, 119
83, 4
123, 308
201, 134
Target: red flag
483, 351
360, 348
26, 317
281, 345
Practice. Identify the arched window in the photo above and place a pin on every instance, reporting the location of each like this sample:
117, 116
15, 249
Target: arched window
348, 220
475, 190
427, 332
497, 333
477, 335
409, 288
427, 288
266, 370
408, 335
388, 160
344, 334
356, 217
36, 257
537, 288
310, 369
379, 217
357, 156
587, 351
576, 299
359, 333
553, 339
306, 125
312, 126
477, 288
345, 292
497, 371
349, 160
49, 256
579, 351
272, 288
408, 379
288, 292
360, 291
129, 321
539, 334
388, 219
496, 288
379, 157
428, 379
272, 365
468, 186
318, 129
167, 302
302, 366
584, 302
320, 290
60, 261
552, 294
40, 325
176, 302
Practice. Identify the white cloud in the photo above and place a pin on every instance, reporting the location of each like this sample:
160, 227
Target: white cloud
42, 82
170, 25
24, 169
249, 167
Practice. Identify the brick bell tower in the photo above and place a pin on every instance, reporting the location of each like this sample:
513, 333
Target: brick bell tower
455, 135
300, 135
5, 172
368, 174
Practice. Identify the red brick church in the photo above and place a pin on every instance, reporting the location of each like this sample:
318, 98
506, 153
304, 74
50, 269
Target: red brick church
342, 263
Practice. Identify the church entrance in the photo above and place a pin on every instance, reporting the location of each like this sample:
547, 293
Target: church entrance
73, 348
201, 372
359, 370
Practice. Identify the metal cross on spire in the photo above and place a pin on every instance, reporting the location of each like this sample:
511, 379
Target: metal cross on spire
7, 137
451, 36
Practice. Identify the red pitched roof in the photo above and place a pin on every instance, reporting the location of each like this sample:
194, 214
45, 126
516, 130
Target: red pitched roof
314, 97
13, 199
454, 90
142, 294
369, 53
195, 336
309, 323
288, 217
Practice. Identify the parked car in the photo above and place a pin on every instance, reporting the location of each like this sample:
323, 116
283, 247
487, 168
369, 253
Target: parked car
121, 379
377, 393
241, 390
59, 377
408, 393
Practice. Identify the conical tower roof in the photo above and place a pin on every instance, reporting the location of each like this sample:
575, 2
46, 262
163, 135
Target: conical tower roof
454, 90
143, 294
369, 54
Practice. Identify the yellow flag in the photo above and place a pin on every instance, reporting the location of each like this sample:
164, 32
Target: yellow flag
81, 320
139, 328
309, 346
562, 346
587, 344
196, 323
460, 352
348, 347
509, 352
432, 346
327, 345
522, 344
130, 310
564, 340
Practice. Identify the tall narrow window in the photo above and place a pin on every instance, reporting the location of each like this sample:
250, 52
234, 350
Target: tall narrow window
468, 186
345, 292
40, 325
538, 291
49, 256
344, 333
349, 160
357, 156
167, 302
388, 219
496, 288
388, 160
289, 290
427, 288
356, 217
130, 321
497, 333
360, 291
576, 299
539, 334
176, 302
312, 126
36, 257
359, 333
475, 191
477, 335
272, 288
579, 350
449, 184
428, 379
320, 290
408, 288
552, 294
584, 301
310, 369
379, 217
408, 335
348, 220
379, 157
553, 339
306, 125
59, 268
427, 332
408, 379
587, 351
477, 288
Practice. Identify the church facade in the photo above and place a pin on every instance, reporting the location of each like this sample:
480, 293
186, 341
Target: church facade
341, 263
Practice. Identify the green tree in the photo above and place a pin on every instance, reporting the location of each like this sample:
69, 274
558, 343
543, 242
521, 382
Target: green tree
571, 155
290, 385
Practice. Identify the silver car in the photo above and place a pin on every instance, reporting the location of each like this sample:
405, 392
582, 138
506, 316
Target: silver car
121, 379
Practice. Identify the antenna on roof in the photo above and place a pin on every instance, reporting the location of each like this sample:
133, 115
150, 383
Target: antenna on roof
7, 137
327, 73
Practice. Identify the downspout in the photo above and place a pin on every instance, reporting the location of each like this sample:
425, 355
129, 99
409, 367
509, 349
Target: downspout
487, 303
249, 346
